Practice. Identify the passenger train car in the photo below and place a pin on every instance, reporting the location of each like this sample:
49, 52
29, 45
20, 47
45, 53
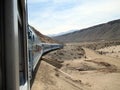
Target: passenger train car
20, 49
36, 49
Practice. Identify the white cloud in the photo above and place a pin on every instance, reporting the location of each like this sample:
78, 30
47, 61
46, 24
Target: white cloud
52, 21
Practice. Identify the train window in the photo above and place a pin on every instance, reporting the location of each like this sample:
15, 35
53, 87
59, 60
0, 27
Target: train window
21, 58
22, 47
33, 38
29, 35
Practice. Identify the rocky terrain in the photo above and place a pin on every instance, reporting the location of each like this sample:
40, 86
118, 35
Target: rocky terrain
103, 32
76, 67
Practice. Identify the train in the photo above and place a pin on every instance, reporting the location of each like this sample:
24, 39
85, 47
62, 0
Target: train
20, 47
36, 49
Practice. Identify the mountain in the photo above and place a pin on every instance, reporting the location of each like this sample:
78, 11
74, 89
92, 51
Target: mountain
61, 33
102, 32
43, 38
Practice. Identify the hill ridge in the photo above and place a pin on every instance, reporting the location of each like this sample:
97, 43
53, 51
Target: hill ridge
106, 31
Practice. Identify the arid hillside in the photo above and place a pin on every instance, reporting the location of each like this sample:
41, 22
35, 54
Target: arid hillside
44, 38
103, 32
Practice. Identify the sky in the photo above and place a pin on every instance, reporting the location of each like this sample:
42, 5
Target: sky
52, 17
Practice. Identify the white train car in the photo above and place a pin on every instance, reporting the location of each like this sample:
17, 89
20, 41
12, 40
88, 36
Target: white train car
36, 49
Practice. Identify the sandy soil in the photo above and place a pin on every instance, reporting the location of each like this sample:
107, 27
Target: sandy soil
81, 69
50, 78
113, 51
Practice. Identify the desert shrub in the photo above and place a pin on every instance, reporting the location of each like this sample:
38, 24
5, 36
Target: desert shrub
57, 74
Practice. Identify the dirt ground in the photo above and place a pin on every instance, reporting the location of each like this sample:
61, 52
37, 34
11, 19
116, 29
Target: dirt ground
79, 69
113, 51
